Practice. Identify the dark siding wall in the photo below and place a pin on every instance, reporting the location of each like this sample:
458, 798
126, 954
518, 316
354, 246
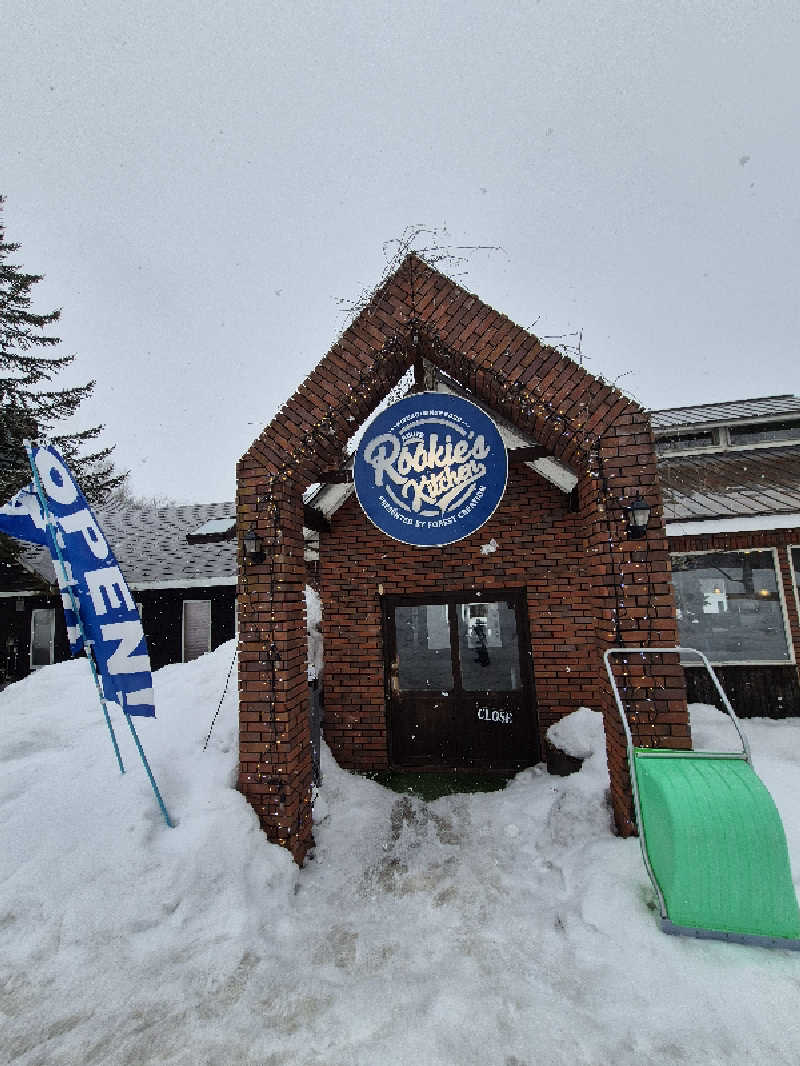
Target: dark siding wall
162, 618
15, 634
754, 691
162, 615
223, 615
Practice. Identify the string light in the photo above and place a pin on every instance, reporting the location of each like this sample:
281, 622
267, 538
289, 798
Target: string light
529, 408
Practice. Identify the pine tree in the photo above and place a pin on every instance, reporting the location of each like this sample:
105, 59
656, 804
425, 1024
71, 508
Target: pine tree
29, 406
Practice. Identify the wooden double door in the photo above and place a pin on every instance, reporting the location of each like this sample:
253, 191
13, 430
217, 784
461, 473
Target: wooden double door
459, 681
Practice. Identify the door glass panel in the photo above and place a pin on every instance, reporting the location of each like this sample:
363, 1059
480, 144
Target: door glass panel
489, 646
423, 648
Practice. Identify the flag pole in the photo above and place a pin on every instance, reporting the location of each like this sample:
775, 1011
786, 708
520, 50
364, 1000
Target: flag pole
145, 763
68, 586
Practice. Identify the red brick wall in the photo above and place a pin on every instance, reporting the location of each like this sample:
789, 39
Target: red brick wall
582, 420
540, 547
576, 596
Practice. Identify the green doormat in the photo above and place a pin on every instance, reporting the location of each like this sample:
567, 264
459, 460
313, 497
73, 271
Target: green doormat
431, 786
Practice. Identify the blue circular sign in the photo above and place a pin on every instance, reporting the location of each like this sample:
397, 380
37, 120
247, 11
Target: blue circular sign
430, 469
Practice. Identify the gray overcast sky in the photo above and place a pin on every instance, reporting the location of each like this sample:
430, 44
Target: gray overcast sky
201, 182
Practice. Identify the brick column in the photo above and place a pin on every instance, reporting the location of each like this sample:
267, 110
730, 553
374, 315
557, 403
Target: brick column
275, 768
634, 603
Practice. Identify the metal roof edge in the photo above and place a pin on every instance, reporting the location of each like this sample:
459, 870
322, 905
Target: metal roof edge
742, 524
720, 403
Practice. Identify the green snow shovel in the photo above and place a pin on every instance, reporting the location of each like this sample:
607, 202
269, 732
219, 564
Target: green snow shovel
711, 837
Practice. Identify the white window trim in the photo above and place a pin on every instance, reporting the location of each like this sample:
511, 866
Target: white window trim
764, 523
52, 613
788, 442
183, 626
794, 575
179, 583
791, 661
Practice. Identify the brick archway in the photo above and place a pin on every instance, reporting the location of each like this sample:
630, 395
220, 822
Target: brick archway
602, 434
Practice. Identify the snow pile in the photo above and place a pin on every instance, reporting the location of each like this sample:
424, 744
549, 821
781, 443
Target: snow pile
507, 928
580, 734
314, 633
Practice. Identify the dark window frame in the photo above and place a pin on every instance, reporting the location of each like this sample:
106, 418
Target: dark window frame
779, 598
755, 429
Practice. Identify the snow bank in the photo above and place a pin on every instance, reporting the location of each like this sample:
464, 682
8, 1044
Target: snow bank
314, 633
501, 929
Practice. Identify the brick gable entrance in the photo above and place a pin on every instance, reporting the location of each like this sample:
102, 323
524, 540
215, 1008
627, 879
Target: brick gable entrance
588, 585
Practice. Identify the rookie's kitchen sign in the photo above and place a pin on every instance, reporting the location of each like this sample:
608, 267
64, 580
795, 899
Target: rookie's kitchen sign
430, 469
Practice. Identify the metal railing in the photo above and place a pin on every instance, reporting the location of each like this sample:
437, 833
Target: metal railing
666, 752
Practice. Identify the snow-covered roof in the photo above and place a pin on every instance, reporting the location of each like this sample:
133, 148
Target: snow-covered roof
152, 548
216, 528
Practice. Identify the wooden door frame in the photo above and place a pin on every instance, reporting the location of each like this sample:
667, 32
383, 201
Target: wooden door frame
516, 595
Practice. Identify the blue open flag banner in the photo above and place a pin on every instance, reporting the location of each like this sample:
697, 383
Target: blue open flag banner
109, 620
22, 517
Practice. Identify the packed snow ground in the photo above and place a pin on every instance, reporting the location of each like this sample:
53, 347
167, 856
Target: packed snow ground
503, 929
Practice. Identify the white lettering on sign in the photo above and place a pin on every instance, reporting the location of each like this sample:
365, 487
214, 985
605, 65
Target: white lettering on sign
444, 470
122, 660
56, 479
486, 714
430, 469
83, 522
110, 581
120, 648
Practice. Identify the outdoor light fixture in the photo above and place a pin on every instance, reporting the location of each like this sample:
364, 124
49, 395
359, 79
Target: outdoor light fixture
638, 517
253, 548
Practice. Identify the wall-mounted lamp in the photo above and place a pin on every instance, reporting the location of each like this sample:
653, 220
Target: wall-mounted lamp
638, 517
253, 548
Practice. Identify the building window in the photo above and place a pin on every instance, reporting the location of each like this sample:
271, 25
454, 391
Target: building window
729, 606
771, 432
685, 442
794, 556
196, 628
43, 631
